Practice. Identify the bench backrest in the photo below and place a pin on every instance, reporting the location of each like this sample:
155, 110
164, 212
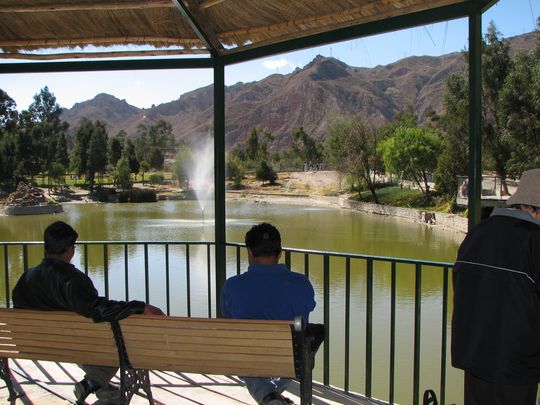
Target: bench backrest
212, 346
197, 345
56, 336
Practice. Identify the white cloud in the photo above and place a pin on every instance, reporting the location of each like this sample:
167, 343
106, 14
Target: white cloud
273, 64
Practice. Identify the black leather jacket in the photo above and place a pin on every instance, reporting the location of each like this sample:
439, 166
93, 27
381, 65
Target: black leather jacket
496, 318
54, 285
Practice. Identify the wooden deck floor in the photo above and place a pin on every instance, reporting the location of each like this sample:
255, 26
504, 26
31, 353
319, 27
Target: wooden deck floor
42, 382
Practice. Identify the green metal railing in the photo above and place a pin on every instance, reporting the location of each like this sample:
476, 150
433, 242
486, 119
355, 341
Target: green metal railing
176, 264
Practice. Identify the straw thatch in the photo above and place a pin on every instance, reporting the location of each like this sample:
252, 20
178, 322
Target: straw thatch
43, 29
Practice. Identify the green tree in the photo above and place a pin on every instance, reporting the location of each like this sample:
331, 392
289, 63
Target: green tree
265, 173
520, 112
123, 173
183, 161
351, 149
57, 173
129, 151
83, 134
307, 148
8, 143
235, 170
97, 156
496, 66
145, 168
454, 126
114, 149
412, 154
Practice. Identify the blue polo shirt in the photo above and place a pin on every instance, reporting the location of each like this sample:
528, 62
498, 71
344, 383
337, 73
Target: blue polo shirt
267, 292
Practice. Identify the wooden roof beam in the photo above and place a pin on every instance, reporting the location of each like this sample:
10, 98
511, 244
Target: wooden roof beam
193, 18
106, 41
81, 55
97, 5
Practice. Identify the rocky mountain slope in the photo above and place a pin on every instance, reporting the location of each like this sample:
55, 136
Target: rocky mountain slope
310, 97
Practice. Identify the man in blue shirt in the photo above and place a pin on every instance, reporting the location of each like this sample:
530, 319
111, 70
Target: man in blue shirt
268, 290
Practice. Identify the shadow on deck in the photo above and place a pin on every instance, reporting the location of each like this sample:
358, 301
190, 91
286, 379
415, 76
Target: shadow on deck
51, 383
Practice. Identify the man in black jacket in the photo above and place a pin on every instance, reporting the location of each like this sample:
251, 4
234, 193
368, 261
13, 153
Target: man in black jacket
57, 285
496, 318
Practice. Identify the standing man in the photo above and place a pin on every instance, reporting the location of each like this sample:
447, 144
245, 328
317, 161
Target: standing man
267, 290
57, 285
496, 319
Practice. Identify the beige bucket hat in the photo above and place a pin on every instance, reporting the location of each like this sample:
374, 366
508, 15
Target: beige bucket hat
528, 191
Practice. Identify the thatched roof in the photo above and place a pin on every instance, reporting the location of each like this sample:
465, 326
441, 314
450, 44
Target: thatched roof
60, 29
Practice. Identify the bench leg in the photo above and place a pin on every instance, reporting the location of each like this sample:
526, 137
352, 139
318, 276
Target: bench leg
5, 374
131, 380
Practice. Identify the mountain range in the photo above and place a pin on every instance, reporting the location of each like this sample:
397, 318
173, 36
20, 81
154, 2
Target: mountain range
310, 97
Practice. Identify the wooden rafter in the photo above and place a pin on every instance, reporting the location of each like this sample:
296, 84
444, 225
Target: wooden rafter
22, 43
97, 5
83, 55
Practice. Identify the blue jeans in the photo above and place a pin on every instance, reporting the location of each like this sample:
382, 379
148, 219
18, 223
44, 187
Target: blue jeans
260, 387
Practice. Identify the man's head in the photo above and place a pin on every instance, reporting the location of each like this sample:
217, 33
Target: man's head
59, 240
263, 242
527, 196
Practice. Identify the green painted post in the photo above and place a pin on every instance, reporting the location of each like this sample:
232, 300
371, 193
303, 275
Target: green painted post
475, 117
219, 177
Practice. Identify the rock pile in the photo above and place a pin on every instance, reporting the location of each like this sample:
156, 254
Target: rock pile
25, 196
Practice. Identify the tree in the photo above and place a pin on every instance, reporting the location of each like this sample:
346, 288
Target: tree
129, 151
97, 158
145, 167
412, 153
265, 172
496, 66
454, 126
57, 173
309, 149
183, 162
156, 158
351, 149
235, 170
520, 112
114, 149
83, 134
8, 143
123, 173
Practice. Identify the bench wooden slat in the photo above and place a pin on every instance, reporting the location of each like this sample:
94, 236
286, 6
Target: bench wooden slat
51, 331
67, 344
222, 333
216, 367
205, 323
57, 316
94, 339
205, 346
147, 340
111, 361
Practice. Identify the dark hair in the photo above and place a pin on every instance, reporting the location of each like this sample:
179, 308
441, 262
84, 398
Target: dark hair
264, 240
58, 237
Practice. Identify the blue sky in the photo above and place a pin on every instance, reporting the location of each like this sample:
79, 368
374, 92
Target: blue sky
145, 88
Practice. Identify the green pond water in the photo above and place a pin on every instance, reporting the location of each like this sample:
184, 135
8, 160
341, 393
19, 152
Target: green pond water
302, 227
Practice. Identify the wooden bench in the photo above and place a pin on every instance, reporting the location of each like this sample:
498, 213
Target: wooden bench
140, 343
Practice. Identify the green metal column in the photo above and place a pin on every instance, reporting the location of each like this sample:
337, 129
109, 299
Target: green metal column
475, 116
219, 177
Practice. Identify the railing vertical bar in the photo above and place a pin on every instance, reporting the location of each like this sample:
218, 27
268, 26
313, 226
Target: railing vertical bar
417, 324
25, 257
209, 278
146, 274
6, 274
306, 264
126, 269
392, 376
238, 269
347, 321
326, 309
106, 268
288, 259
443, 335
167, 279
369, 326
188, 281
85, 259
